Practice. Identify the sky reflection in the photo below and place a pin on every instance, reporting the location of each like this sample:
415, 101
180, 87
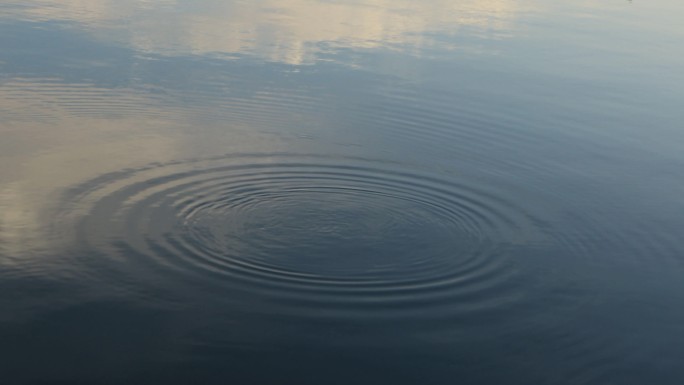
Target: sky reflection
429, 189
91, 87
292, 31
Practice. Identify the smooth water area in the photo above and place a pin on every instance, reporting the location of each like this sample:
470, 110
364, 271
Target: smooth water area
341, 192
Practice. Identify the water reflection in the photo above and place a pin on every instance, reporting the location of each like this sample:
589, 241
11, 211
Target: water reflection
45, 160
182, 198
292, 31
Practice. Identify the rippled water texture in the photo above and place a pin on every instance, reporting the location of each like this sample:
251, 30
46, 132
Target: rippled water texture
341, 192
317, 231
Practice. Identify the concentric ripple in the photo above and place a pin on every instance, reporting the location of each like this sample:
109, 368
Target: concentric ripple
302, 230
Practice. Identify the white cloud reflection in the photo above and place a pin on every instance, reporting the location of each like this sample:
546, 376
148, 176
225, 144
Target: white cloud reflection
290, 31
58, 133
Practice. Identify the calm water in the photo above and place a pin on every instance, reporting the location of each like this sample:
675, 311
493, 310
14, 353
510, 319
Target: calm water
341, 192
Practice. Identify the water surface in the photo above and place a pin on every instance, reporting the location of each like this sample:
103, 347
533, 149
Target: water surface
336, 192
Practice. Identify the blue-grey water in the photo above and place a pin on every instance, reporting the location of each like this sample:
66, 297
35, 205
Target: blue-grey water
342, 192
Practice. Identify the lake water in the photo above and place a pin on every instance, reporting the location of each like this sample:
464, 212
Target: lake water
341, 192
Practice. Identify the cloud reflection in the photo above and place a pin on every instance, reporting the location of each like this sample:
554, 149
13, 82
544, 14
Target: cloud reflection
55, 135
86, 108
290, 31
